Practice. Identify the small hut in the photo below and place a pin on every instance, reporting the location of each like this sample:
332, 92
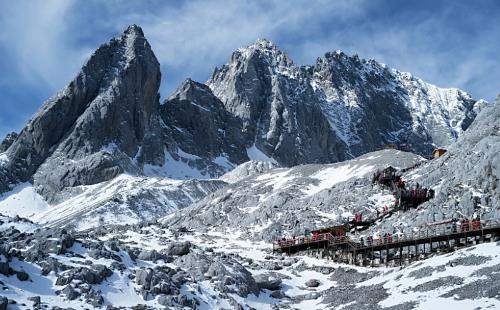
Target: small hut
438, 152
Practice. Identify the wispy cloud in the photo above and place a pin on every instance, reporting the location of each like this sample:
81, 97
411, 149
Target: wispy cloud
34, 36
192, 39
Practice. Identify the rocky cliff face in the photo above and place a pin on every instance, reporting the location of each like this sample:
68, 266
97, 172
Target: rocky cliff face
343, 106
7, 142
403, 109
280, 113
201, 125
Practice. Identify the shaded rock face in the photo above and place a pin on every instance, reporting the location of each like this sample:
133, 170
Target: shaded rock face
201, 125
90, 130
280, 114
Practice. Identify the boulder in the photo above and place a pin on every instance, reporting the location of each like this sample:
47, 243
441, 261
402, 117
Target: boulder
22, 276
70, 292
179, 248
313, 283
277, 294
150, 255
4, 268
94, 298
268, 282
36, 300
143, 277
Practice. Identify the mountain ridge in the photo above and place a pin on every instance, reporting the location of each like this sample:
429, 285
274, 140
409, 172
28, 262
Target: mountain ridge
260, 105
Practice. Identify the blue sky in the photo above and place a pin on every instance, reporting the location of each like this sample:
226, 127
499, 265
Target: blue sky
44, 43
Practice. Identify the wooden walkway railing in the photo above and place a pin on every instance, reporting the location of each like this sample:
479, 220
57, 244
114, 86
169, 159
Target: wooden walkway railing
446, 231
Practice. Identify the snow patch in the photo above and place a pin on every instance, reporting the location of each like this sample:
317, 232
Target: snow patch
109, 148
3, 159
175, 169
23, 201
224, 162
255, 154
330, 176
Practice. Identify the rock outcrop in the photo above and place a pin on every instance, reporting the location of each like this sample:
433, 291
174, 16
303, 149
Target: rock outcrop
7, 142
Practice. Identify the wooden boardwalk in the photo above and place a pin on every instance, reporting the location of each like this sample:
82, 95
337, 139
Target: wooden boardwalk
393, 248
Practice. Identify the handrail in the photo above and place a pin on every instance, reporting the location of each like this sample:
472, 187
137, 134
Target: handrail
441, 230
445, 231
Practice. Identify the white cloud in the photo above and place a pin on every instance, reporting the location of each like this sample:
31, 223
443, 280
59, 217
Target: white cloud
35, 34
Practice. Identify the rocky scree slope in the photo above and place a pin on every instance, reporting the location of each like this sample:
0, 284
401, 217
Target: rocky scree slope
288, 201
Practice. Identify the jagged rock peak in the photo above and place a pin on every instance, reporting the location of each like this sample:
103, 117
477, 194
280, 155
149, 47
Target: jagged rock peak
111, 104
187, 87
262, 44
266, 52
134, 30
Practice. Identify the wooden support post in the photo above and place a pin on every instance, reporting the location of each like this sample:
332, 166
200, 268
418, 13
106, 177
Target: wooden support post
400, 256
386, 255
371, 256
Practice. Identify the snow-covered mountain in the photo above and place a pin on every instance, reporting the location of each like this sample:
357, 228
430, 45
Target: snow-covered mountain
259, 106
342, 106
110, 199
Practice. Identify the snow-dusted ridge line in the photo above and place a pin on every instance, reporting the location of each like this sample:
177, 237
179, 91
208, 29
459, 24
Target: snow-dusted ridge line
124, 200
